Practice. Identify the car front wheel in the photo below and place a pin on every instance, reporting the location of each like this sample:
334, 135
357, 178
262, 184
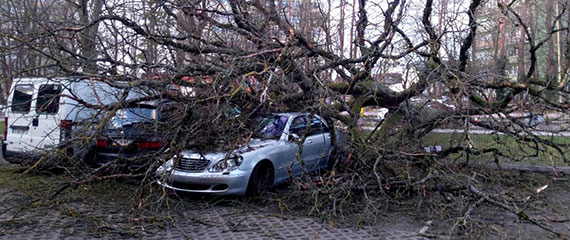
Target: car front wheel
261, 179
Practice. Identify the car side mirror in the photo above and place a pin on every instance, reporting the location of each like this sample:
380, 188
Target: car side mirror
293, 137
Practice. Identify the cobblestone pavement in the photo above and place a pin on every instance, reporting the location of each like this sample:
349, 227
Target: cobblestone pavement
229, 224
73, 220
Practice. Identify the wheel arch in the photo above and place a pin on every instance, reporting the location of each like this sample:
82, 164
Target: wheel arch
267, 162
264, 163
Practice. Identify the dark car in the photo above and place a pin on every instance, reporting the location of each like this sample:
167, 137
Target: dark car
134, 134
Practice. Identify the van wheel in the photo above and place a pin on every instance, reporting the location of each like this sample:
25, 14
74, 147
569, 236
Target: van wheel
261, 180
13, 160
90, 158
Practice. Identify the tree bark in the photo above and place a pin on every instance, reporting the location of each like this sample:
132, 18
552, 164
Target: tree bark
551, 62
352, 22
89, 10
341, 29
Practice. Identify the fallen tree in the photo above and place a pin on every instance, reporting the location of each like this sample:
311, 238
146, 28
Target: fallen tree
268, 56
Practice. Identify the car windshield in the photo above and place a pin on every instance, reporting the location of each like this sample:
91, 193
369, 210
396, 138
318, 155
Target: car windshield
230, 111
271, 127
128, 116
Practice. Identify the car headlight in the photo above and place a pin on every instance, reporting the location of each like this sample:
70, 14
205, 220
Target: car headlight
165, 168
168, 165
226, 164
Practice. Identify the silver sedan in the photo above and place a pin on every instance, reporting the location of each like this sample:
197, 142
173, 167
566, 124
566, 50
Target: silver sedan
268, 159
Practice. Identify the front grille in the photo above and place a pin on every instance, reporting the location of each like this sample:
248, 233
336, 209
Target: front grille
192, 164
190, 186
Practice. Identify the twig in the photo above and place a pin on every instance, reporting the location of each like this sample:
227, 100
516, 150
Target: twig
521, 214
556, 220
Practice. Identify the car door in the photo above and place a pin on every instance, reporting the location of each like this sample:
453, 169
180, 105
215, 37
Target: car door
317, 144
298, 127
20, 117
45, 127
317, 141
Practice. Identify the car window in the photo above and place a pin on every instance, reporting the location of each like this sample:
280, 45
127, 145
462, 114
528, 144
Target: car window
129, 116
22, 99
298, 126
271, 127
318, 127
48, 98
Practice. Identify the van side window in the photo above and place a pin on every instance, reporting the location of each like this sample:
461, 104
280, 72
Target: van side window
48, 98
22, 99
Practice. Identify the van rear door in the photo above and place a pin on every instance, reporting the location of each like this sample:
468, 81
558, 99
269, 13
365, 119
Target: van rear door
20, 118
45, 128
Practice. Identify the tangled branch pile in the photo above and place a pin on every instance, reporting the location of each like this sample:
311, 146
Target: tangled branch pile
432, 66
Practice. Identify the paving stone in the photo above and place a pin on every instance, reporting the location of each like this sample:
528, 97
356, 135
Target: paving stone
221, 223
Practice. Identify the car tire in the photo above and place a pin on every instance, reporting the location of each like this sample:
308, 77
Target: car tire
13, 160
261, 179
90, 158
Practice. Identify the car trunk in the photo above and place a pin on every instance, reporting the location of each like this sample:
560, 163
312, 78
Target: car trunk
129, 140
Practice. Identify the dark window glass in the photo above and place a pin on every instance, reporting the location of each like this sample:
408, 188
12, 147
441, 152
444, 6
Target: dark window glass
48, 98
299, 126
129, 116
22, 99
317, 127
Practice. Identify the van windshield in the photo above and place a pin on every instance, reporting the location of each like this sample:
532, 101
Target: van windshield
22, 99
129, 116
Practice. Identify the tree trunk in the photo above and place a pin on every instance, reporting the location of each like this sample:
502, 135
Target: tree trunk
551, 62
89, 11
353, 20
521, 72
532, 24
341, 29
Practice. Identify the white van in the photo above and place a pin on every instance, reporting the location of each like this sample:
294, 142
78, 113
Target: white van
43, 113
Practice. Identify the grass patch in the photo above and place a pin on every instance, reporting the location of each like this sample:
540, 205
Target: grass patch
39, 185
517, 150
30, 183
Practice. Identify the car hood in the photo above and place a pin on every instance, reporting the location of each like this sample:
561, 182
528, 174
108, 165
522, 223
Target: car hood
256, 143
252, 145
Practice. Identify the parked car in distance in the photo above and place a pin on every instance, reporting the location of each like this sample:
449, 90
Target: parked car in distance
134, 132
533, 120
265, 161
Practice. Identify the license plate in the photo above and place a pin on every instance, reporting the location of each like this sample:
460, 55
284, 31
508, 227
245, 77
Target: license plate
122, 142
19, 131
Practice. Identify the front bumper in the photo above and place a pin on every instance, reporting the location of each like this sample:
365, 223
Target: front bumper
226, 183
16, 157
